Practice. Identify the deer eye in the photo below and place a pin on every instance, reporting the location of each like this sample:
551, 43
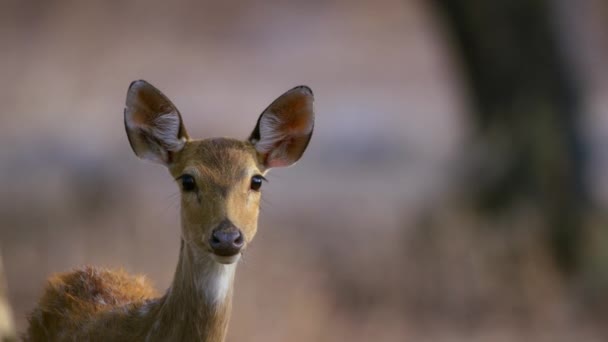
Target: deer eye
188, 183
256, 182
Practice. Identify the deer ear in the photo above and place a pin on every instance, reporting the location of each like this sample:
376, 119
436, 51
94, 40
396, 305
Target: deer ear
154, 125
284, 128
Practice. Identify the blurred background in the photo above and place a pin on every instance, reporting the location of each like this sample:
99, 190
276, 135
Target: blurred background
455, 187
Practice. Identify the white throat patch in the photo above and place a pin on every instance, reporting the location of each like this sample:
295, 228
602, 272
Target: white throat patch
217, 281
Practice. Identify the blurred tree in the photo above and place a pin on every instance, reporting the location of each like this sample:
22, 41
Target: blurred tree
526, 114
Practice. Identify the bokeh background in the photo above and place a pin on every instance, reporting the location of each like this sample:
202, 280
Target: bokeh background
455, 188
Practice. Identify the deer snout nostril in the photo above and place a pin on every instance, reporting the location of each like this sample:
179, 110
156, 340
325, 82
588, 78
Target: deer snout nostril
239, 240
226, 241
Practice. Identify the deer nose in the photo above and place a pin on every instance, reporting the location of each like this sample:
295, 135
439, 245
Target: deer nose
226, 241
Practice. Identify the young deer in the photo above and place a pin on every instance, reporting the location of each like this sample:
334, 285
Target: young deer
220, 182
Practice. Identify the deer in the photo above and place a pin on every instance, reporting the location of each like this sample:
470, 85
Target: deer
220, 180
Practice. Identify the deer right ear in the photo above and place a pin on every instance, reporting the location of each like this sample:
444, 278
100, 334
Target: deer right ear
284, 128
154, 125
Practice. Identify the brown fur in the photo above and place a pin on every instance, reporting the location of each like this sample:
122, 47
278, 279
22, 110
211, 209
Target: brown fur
98, 304
72, 300
94, 304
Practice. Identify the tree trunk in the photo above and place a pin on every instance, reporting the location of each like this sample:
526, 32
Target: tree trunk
525, 115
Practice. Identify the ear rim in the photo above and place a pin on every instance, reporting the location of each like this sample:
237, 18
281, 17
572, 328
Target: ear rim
255, 135
131, 136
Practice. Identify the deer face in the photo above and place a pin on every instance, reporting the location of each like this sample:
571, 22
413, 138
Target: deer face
220, 179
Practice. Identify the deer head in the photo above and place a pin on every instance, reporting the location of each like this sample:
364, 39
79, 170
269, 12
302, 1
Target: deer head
219, 178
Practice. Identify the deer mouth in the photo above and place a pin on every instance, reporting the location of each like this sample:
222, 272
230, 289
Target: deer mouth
226, 260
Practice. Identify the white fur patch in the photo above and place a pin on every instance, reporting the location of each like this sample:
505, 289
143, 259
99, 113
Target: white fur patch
217, 281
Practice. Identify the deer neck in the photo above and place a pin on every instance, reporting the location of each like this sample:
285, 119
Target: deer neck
197, 305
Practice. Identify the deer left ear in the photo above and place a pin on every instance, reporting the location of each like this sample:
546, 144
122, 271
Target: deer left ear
154, 125
284, 128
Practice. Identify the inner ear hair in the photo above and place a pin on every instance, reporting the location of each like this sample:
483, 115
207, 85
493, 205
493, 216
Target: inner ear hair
284, 128
154, 125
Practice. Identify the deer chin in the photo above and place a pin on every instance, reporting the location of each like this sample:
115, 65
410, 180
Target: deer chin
226, 260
